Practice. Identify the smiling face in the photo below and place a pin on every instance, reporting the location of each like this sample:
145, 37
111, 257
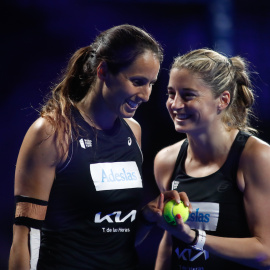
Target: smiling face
125, 91
190, 103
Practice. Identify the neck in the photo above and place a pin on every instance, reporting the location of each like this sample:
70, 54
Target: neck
212, 146
95, 112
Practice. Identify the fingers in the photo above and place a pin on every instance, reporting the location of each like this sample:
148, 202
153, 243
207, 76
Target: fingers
161, 202
154, 209
185, 200
174, 229
179, 220
172, 194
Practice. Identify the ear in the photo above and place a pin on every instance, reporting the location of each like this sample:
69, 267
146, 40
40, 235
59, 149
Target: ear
224, 100
102, 70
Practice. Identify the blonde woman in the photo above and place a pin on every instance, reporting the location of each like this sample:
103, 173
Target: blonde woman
222, 168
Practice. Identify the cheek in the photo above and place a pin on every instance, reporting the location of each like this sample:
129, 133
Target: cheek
168, 105
169, 108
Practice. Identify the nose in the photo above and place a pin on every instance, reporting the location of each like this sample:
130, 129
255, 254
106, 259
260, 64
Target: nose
177, 102
145, 93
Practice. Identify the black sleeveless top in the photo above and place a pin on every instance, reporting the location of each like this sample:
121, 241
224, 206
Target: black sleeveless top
91, 216
218, 208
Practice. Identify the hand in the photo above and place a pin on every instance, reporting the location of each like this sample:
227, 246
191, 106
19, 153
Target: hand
181, 230
153, 211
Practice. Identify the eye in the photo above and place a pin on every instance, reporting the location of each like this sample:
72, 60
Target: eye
137, 82
171, 94
188, 95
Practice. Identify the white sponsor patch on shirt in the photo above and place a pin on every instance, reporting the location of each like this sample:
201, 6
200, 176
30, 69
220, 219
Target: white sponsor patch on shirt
115, 175
204, 216
34, 247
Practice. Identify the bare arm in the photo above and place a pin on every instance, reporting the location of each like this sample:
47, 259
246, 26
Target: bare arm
253, 179
34, 175
163, 168
163, 260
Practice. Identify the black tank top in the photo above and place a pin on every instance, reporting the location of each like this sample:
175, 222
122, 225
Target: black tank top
217, 208
91, 216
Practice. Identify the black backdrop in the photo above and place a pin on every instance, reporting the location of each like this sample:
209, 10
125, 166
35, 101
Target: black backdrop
38, 37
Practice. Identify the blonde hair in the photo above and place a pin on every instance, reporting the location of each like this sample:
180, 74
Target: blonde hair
221, 73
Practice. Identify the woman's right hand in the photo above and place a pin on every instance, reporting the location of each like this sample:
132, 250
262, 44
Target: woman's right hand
153, 211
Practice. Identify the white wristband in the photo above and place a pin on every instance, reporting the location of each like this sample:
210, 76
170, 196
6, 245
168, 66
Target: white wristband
201, 240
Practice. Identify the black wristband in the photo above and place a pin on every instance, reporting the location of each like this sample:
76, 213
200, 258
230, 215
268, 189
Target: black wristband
195, 239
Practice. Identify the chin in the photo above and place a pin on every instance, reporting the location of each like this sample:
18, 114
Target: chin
180, 129
126, 114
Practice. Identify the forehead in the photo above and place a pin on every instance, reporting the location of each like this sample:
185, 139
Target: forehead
145, 62
185, 79
182, 77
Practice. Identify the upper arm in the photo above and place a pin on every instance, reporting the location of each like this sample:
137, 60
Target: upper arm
256, 173
36, 163
164, 165
136, 129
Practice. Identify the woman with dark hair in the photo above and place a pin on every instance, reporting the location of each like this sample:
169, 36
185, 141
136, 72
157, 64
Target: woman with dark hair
221, 166
78, 183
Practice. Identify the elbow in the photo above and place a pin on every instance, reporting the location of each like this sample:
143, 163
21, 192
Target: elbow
262, 258
262, 261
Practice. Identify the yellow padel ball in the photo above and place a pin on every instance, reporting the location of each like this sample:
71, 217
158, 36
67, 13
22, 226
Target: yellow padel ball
171, 209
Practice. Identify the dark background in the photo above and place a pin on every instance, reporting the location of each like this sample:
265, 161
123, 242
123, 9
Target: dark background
38, 37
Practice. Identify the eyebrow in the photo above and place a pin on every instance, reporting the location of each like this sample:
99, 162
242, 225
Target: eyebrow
184, 89
142, 78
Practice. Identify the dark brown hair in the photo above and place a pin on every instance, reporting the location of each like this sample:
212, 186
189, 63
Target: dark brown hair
118, 47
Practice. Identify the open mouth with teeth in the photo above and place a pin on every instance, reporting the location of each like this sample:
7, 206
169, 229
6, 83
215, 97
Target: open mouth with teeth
182, 116
132, 104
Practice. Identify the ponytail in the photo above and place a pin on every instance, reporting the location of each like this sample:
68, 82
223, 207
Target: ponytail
118, 46
75, 83
243, 96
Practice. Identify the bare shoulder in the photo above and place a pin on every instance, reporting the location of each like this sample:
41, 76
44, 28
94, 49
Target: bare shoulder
256, 151
135, 127
164, 164
168, 155
40, 137
255, 165
255, 162
40, 130
133, 123
37, 161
